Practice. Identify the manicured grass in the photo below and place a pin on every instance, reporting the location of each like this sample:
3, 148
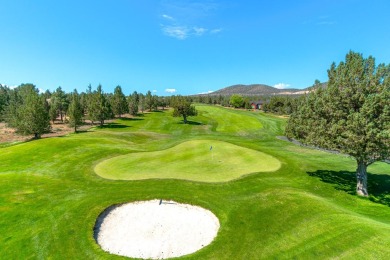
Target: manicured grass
51, 196
197, 160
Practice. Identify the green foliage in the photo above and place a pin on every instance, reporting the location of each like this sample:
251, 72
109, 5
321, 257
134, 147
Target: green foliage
182, 107
4, 99
162, 102
351, 115
133, 101
99, 109
283, 105
119, 103
150, 101
53, 110
75, 111
142, 102
237, 101
27, 111
59, 102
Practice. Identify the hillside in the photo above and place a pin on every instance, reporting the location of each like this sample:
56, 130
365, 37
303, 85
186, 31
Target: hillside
260, 90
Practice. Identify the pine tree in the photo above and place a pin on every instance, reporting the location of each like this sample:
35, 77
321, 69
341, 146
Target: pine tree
149, 100
59, 101
99, 108
75, 111
133, 101
119, 103
4, 100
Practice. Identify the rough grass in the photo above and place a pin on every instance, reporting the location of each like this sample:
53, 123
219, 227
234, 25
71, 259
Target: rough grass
197, 160
50, 195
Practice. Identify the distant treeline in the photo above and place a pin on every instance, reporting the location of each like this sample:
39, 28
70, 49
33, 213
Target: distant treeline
279, 104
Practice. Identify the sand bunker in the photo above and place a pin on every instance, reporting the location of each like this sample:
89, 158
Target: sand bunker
151, 229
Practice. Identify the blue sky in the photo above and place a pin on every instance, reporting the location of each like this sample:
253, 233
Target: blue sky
184, 47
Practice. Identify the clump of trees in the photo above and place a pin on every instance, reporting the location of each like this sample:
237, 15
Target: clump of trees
59, 104
26, 110
237, 101
283, 105
351, 115
4, 100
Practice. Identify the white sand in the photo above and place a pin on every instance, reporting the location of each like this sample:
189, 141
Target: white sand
146, 229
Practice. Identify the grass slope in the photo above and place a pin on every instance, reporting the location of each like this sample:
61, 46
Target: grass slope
50, 195
197, 160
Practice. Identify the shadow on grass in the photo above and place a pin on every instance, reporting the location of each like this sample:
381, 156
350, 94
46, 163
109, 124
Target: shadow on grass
189, 123
112, 126
130, 119
378, 184
81, 131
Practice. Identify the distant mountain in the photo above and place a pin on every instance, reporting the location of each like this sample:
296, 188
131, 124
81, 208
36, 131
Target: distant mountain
253, 90
261, 90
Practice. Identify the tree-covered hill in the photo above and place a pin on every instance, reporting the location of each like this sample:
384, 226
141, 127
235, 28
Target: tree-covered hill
259, 90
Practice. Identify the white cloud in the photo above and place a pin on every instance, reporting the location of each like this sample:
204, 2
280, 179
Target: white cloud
215, 31
199, 31
178, 32
170, 90
281, 85
185, 19
154, 91
165, 16
183, 32
207, 92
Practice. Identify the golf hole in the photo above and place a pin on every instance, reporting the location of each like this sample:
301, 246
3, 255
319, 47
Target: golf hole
155, 229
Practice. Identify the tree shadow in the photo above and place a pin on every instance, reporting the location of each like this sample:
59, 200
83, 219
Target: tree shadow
112, 126
189, 123
130, 119
378, 184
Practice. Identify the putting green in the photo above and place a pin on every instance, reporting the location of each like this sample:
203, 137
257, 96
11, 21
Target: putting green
192, 160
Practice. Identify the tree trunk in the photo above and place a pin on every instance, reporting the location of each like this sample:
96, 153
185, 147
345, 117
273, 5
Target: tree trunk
75, 128
361, 177
185, 119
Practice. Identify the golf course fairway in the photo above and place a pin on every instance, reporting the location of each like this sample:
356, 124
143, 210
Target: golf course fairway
197, 160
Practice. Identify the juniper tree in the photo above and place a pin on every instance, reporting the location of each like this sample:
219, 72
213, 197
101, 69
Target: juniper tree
182, 107
351, 115
27, 112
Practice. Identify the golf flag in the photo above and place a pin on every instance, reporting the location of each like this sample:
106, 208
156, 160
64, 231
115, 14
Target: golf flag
211, 148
